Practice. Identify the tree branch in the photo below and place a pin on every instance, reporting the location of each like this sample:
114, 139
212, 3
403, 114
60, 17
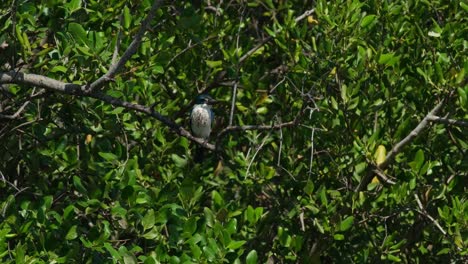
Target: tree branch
414, 133
230, 129
447, 121
132, 49
75, 89
267, 39
398, 148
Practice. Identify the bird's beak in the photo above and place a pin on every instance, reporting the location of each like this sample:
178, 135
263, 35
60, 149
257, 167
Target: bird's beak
211, 101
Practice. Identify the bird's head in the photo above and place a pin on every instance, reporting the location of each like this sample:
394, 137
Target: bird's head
205, 99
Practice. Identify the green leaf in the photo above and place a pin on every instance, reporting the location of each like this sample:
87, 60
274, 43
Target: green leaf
127, 17
78, 185
71, 234
252, 257
262, 110
73, 5
117, 110
59, 68
85, 50
68, 212
108, 156
217, 198
114, 253
213, 64
372, 185
179, 161
152, 234
129, 258
443, 251
158, 69
393, 258
148, 220
26, 43
347, 223
388, 59
338, 237
19, 35
323, 196
418, 161
209, 216
236, 244
460, 76
433, 34
463, 97
464, 6
309, 187
78, 33
367, 20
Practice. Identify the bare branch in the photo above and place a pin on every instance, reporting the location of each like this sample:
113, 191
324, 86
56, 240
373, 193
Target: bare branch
18, 112
397, 149
254, 49
426, 214
447, 121
280, 147
132, 49
230, 129
75, 89
383, 177
255, 154
118, 41
416, 131
39, 81
233, 103
149, 111
304, 15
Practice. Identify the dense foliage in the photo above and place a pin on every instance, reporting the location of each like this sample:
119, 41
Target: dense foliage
85, 181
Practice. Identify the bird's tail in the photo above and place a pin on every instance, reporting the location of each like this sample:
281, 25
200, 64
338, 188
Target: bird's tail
198, 155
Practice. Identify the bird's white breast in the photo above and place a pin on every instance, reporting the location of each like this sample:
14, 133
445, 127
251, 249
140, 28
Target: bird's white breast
201, 121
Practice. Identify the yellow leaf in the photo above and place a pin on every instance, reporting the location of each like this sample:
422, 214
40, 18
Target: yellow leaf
375, 180
380, 154
219, 168
312, 20
88, 139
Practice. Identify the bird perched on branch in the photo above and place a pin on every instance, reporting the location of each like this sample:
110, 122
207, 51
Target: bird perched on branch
201, 121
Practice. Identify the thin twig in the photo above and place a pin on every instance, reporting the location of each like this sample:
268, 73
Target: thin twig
267, 39
383, 177
255, 154
447, 121
234, 88
118, 41
132, 49
233, 103
426, 214
17, 113
304, 15
312, 143
255, 127
280, 147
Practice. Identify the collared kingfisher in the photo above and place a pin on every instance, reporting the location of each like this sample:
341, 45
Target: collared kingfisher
201, 121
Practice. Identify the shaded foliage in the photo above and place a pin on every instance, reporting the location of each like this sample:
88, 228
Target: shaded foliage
85, 181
